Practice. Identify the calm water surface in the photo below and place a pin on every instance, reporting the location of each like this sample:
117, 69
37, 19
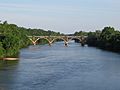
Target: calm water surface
62, 68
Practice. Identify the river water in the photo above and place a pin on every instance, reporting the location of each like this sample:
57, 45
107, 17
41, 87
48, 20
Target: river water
62, 68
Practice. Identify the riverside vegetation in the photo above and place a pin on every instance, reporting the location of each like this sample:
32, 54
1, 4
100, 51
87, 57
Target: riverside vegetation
107, 39
13, 38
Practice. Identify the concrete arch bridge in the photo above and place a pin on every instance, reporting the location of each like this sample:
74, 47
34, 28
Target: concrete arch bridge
51, 39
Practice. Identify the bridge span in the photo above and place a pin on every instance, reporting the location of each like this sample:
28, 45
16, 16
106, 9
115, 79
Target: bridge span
51, 39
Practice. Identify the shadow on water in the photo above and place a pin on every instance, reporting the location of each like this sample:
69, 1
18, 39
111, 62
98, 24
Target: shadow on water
4, 65
7, 70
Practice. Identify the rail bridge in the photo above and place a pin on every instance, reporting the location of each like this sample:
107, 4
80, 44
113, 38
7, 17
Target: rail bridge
51, 39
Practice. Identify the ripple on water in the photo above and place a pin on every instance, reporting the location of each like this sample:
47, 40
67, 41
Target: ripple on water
62, 68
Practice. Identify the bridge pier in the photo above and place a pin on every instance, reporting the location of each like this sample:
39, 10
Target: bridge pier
83, 41
34, 43
82, 44
66, 44
50, 43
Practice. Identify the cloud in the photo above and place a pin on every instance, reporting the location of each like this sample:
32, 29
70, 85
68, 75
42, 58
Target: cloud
60, 16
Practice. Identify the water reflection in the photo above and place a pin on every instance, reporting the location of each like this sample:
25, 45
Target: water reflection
62, 68
7, 73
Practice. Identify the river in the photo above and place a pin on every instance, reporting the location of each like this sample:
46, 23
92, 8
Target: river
62, 68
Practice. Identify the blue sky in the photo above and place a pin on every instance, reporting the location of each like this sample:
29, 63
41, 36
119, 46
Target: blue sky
66, 16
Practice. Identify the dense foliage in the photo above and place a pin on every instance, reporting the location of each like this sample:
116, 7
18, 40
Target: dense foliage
13, 38
80, 33
108, 39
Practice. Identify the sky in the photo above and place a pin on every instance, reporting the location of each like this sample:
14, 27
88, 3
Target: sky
65, 16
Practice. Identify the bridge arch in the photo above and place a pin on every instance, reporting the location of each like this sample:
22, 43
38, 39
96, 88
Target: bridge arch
45, 39
75, 38
51, 39
58, 38
61, 38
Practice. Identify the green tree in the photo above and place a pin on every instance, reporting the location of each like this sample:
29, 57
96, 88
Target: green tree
2, 50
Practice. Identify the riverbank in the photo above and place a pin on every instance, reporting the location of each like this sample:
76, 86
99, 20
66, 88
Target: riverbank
107, 39
9, 59
13, 38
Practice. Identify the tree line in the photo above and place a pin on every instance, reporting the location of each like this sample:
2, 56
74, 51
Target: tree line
13, 38
107, 39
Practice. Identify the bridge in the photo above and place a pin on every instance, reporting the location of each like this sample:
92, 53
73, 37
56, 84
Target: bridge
51, 39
